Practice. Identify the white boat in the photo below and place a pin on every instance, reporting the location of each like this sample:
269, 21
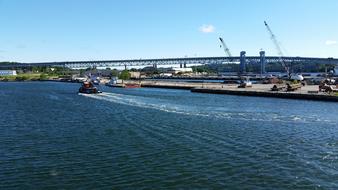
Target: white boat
297, 77
245, 83
112, 82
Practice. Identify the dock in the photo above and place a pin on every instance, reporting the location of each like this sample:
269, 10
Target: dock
178, 85
309, 92
286, 95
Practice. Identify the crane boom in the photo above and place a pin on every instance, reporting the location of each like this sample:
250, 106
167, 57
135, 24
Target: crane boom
278, 48
226, 49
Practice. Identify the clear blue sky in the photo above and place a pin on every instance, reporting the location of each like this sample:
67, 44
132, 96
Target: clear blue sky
60, 30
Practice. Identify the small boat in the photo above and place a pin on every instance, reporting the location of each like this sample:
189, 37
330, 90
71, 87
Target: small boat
88, 88
298, 77
96, 82
245, 83
117, 84
112, 82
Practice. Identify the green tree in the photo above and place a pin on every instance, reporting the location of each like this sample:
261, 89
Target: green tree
114, 73
43, 77
21, 78
35, 69
124, 75
82, 71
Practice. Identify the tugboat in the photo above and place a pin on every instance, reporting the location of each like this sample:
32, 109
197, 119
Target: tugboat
88, 88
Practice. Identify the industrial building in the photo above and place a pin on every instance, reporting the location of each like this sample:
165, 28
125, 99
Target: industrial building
181, 70
7, 73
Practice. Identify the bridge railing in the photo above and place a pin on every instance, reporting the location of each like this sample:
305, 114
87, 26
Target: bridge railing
173, 61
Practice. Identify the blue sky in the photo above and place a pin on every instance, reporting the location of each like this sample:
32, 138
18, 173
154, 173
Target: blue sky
64, 30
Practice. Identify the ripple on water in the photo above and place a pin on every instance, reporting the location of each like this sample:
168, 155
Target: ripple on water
144, 138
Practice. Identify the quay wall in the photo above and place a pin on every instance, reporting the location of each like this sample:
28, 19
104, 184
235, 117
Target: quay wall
288, 95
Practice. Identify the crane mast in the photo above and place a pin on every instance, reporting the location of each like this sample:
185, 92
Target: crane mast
278, 48
226, 49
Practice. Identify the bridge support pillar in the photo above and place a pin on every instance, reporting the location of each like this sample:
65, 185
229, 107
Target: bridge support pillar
262, 61
185, 65
242, 64
125, 67
181, 65
155, 66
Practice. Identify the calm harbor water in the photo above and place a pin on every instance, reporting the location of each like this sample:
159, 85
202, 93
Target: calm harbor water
53, 138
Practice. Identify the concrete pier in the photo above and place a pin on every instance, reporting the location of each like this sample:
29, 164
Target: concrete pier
288, 95
309, 92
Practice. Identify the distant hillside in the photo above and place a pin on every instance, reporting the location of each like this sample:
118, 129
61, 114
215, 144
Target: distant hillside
7, 63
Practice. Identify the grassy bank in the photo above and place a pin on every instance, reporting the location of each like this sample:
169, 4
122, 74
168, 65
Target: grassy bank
28, 77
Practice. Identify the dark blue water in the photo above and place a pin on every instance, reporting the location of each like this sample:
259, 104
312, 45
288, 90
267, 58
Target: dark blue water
53, 138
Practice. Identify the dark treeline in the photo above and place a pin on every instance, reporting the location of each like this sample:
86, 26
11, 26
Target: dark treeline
7, 63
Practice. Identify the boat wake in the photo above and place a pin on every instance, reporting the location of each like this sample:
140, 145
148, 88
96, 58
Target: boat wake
143, 102
195, 110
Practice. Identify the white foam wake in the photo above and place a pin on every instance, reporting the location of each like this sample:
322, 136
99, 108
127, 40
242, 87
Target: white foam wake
216, 112
144, 102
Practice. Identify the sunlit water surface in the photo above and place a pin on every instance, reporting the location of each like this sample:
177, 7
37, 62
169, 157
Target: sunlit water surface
53, 138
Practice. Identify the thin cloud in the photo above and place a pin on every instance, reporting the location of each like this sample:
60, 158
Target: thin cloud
207, 28
331, 42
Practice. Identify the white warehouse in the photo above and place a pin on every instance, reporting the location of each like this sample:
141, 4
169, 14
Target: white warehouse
7, 72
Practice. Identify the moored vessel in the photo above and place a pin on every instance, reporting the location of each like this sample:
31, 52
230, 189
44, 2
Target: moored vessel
124, 85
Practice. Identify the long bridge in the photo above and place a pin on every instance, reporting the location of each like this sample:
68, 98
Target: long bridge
182, 62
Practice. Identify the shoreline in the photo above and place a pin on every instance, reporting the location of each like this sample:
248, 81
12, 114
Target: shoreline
258, 90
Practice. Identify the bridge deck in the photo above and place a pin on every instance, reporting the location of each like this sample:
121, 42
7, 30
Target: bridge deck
175, 61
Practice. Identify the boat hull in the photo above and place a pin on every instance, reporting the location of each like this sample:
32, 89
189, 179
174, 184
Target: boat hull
89, 90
